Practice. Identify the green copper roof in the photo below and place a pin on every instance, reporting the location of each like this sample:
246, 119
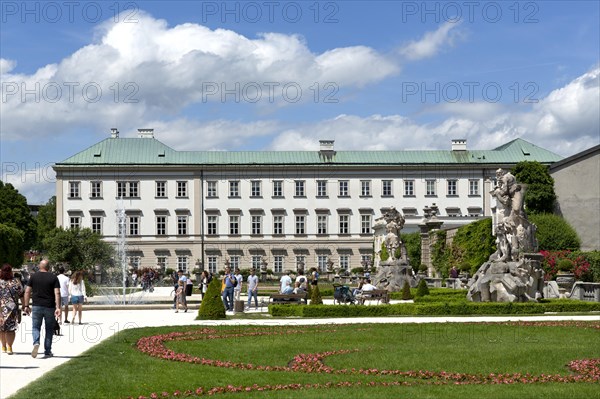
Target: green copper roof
149, 151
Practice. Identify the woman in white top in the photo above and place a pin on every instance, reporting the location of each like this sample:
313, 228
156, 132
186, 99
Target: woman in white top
77, 293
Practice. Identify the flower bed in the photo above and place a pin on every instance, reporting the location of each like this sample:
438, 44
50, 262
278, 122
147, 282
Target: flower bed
582, 370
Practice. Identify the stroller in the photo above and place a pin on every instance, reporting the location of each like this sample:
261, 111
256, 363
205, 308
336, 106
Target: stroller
342, 294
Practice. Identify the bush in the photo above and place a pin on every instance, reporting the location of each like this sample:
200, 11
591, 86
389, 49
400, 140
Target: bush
434, 309
422, 289
580, 266
565, 265
212, 307
554, 233
315, 298
406, 295
412, 242
593, 259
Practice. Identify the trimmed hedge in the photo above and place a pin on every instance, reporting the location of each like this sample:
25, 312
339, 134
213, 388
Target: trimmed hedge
464, 308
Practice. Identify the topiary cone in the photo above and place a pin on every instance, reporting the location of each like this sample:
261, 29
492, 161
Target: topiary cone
212, 307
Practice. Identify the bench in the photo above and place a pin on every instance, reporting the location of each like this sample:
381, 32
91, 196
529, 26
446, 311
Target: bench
298, 299
375, 295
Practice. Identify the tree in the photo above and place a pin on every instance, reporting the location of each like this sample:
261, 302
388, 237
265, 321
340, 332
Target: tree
212, 307
539, 194
315, 296
422, 288
11, 246
14, 212
412, 242
46, 221
80, 248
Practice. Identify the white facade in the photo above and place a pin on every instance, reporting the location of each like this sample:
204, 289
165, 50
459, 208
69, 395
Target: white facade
284, 213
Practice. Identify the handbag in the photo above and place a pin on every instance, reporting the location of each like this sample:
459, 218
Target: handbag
57, 327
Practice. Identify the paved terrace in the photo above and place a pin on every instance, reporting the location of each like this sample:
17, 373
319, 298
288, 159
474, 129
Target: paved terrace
103, 321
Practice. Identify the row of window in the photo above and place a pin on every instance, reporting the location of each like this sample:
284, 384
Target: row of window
256, 222
345, 262
131, 189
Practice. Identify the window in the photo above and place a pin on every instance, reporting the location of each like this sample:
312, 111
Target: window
161, 225
211, 189
343, 188
74, 189
322, 263
97, 224
278, 263
96, 189
256, 261
365, 224
299, 188
134, 189
321, 224
300, 262
135, 261
277, 224
255, 188
300, 224
277, 188
365, 188
182, 225
182, 263
212, 264
133, 228
344, 224
430, 187
409, 188
256, 224
234, 225
75, 222
473, 187
321, 188
234, 262
182, 189
127, 189
345, 262
234, 188
386, 188
365, 260
211, 225
452, 187
161, 189
161, 261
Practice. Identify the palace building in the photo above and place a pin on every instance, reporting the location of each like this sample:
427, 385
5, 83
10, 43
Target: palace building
287, 208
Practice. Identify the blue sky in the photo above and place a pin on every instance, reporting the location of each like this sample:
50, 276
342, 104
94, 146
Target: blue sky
282, 75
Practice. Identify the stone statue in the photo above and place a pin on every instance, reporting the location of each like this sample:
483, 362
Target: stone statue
514, 271
394, 223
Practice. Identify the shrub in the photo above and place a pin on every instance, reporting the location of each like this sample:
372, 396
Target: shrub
315, 298
472, 246
554, 233
422, 288
579, 264
565, 265
593, 259
212, 307
412, 242
406, 295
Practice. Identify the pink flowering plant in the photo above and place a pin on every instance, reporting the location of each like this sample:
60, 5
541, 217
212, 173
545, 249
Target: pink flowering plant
581, 267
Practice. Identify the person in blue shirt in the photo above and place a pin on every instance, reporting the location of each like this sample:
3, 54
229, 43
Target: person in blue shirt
227, 287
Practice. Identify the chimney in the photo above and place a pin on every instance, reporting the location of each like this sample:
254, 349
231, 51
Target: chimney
459, 145
146, 133
114, 133
326, 149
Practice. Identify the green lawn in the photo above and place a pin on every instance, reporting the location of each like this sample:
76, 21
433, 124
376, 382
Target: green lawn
243, 356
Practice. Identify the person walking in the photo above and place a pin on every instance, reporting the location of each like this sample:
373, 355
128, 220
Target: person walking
203, 285
77, 292
253, 288
227, 286
43, 288
180, 295
64, 292
182, 279
10, 292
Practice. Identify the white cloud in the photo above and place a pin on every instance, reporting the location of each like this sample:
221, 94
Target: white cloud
6, 66
432, 42
166, 69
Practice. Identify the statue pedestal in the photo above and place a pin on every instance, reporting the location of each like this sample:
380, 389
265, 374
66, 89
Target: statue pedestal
391, 275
